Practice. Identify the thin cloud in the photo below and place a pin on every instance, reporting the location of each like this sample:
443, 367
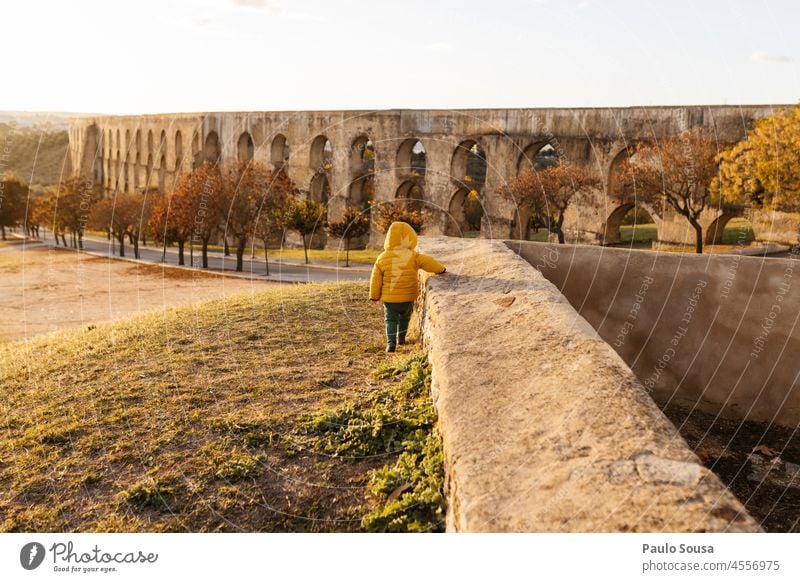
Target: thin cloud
270, 6
764, 57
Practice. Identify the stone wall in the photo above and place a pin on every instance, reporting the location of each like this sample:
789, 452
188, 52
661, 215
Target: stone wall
716, 331
544, 426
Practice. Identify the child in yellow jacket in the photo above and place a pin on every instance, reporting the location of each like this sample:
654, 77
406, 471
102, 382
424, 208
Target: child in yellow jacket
394, 280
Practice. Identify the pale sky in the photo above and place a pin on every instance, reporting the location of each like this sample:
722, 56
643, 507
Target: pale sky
223, 55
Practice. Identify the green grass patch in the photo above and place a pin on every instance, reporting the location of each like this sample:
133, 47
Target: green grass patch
738, 231
152, 495
638, 234
409, 492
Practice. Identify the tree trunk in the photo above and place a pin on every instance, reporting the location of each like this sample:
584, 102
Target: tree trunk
144, 239
240, 253
136, 247
305, 248
205, 253
64, 240
347, 252
181, 244
164, 251
121, 240
266, 257
225, 249
559, 225
698, 234
80, 240
3, 228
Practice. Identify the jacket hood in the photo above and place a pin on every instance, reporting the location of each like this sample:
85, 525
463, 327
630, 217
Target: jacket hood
400, 236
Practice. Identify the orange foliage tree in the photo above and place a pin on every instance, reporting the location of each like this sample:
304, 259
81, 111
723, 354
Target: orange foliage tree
548, 192
679, 170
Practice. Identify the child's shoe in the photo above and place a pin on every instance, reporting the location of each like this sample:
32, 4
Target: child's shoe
390, 348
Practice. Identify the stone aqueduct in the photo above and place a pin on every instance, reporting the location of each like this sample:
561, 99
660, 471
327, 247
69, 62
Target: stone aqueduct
323, 152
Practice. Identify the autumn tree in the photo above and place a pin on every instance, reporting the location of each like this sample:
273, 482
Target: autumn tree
679, 170
74, 200
13, 197
66, 209
384, 214
548, 192
197, 207
170, 222
354, 223
246, 184
121, 215
33, 216
272, 207
306, 217
763, 169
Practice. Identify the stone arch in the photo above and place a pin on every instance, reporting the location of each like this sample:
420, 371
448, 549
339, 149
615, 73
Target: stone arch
412, 191
617, 185
362, 156
279, 151
149, 179
523, 222
362, 173
150, 141
468, 165
162, 173
537, 156
212, 149
411, 158
614, 222
715, 230
138, 141
178, 149
321, 156
361, 192
245, 149
320, 188
464, 213
136, 171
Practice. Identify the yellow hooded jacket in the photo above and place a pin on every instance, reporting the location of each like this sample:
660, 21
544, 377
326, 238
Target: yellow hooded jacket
394, 276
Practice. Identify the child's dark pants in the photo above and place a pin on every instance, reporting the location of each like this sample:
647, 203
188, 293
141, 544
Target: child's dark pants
397, 316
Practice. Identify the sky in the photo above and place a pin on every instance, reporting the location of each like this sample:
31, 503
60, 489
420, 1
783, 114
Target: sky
103, 56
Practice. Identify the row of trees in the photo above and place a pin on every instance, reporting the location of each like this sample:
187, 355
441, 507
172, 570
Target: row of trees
64, 209
241, 201
687, 171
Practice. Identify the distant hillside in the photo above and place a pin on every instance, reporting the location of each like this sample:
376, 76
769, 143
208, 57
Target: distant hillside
36, 154
49, 120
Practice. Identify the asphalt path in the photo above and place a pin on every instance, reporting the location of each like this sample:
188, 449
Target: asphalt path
280, 271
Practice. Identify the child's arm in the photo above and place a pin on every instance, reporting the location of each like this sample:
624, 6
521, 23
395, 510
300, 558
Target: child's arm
429, 264
375, 283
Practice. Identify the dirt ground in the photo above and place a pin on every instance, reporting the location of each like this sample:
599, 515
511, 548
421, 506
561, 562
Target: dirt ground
44, 289
758, 461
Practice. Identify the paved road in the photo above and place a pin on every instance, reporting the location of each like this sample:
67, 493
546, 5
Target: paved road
284, 271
